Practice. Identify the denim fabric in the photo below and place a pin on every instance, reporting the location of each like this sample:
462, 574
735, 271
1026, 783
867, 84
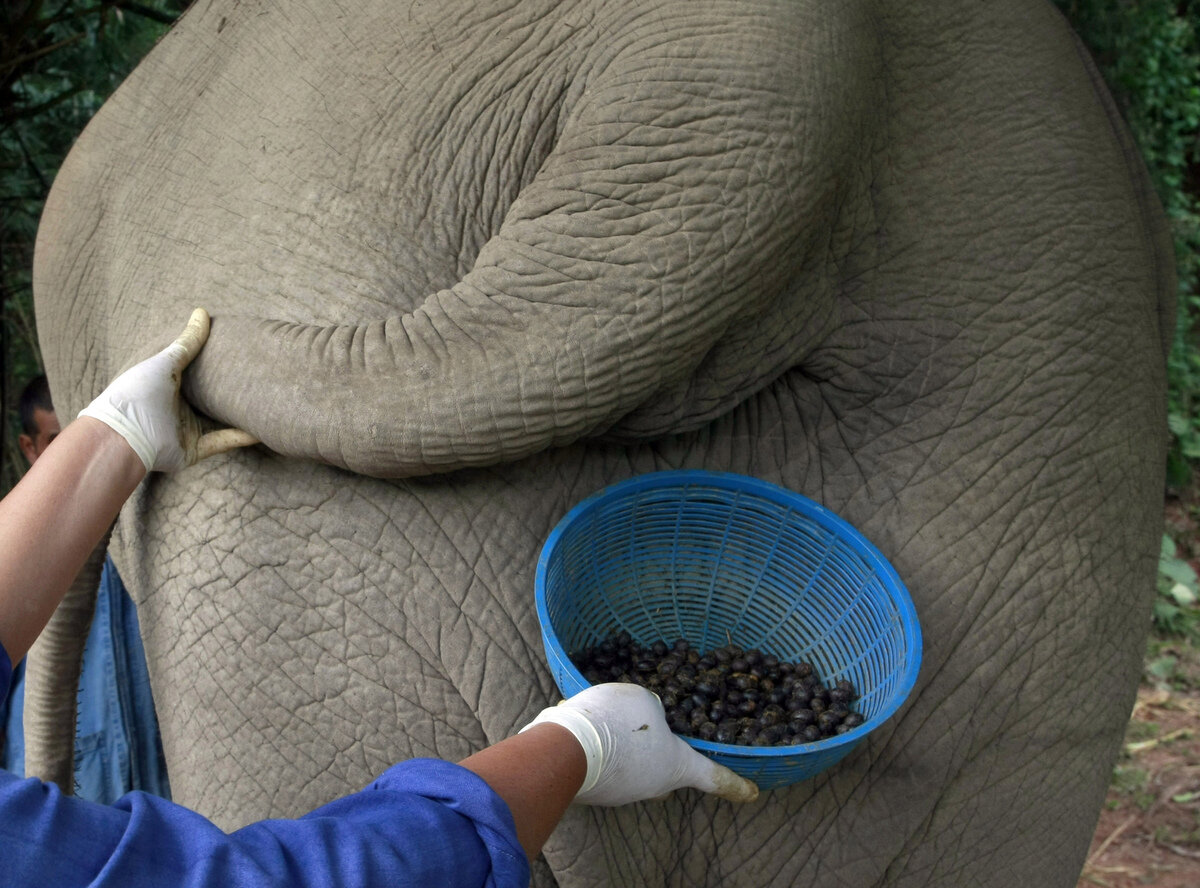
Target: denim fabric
12, 745
9, 676
117, 746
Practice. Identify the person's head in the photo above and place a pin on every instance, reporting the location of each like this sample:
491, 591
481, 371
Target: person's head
39, 425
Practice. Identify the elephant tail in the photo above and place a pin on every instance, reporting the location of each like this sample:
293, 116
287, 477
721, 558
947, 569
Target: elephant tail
52, 678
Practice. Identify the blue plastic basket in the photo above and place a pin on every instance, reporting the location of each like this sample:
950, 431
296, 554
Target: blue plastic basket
714, 558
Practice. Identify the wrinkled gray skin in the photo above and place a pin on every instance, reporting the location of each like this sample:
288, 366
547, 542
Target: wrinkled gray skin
900, 257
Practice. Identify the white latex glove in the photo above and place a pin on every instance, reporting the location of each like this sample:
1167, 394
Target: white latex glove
143, 405
631, 753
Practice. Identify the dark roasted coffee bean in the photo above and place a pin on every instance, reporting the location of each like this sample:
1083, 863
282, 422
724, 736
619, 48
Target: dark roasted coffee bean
744, 681
803, 718
772, 714
827, 721
774, 733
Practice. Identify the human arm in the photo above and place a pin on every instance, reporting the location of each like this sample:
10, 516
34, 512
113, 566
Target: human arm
422, 822
60, 510
501, 804
537, 773
607, 745
53, 519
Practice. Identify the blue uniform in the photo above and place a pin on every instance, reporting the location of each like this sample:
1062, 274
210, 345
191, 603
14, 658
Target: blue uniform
423, 822
117, 745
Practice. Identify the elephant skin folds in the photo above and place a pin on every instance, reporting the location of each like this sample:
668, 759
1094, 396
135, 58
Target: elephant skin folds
468, 262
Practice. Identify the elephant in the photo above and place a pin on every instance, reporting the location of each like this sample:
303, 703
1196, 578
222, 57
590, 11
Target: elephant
470, 261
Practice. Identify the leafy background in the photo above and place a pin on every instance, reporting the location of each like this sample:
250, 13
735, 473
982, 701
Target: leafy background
59, 61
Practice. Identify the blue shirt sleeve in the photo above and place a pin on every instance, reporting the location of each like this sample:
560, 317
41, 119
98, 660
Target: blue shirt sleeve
423, 822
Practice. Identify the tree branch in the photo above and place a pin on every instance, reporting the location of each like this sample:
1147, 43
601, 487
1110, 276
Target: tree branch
16, 62
43, 106
32, 164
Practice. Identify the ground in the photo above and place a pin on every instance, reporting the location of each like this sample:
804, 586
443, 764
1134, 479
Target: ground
1149, 831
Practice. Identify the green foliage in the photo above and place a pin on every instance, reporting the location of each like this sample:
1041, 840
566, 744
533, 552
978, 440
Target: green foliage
1136, 731
1149, 53
1175, 610
58, 63
1132, 781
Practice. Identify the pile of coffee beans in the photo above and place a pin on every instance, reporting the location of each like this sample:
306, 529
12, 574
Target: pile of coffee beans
727, 695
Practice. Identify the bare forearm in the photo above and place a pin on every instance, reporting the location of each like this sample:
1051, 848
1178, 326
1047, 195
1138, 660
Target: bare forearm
52, 520
537, 773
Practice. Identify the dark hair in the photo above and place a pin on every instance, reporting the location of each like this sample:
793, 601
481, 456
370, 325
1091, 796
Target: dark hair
35, 396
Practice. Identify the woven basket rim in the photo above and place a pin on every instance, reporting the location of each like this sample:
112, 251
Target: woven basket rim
825, 517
